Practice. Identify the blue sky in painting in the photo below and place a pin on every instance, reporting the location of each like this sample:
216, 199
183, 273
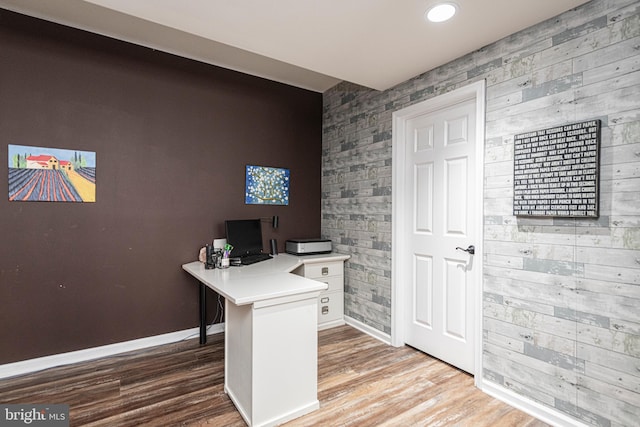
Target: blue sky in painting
59, 153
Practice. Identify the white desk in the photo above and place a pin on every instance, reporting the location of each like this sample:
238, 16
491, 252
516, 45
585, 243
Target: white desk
271, 338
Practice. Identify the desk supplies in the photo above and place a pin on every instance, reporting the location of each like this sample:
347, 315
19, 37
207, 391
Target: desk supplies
224, 258
227, 250
210, 262
219, 244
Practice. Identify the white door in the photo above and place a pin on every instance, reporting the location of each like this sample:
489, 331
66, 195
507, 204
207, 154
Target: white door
440, 222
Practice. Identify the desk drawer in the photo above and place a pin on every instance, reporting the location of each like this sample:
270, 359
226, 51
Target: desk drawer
330, 306
324, 269
335, 283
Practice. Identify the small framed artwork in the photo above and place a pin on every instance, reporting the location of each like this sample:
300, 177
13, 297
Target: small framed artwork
41, 174
266, 185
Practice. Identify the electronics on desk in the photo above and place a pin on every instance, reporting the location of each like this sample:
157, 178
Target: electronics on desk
308, 246
245, 235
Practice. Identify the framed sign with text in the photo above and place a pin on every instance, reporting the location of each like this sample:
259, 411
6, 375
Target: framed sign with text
556, 171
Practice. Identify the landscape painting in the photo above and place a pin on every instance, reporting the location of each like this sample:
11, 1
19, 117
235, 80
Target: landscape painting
39, 174
267, 186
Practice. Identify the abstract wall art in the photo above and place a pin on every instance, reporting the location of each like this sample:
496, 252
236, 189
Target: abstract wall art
266, 186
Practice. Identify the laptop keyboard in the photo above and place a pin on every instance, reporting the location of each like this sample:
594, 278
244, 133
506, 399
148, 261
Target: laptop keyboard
252, 259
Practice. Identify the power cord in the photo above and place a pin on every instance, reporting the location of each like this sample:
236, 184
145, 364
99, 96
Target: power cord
215, 321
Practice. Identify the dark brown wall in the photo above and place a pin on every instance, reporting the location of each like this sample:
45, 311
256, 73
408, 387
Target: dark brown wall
172, 138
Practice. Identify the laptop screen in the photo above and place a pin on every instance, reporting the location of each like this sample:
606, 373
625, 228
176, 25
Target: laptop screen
245, 235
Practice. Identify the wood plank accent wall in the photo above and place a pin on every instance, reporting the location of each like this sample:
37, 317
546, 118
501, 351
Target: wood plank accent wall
561, 296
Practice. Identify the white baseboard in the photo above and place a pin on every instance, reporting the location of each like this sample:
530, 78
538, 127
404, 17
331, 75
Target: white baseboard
385, 338
46, 362
531, 407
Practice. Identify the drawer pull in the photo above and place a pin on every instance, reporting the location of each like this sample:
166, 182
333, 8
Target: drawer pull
325, 309
325, 271
324, 300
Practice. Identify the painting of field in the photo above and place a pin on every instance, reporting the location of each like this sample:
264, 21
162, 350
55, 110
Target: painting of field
39, 174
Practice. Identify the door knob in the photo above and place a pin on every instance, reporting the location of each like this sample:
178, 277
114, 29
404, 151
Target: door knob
471, 249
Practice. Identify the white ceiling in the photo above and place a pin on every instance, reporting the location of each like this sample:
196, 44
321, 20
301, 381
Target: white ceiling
312, 44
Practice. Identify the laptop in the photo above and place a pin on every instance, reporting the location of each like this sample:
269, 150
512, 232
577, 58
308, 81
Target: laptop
245, 235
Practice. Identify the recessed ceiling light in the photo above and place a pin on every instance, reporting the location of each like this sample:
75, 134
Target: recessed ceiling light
441, 12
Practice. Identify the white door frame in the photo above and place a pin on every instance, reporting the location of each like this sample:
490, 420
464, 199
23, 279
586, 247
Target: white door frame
399, 232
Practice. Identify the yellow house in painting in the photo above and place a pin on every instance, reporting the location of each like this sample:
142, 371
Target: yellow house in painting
66, 165
43, 161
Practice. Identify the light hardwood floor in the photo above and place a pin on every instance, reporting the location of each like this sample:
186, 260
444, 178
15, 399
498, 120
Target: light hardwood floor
361, 382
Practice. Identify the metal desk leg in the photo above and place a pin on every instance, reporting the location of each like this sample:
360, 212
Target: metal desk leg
203, 314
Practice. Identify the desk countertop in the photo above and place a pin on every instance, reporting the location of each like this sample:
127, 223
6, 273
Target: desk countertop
262, 281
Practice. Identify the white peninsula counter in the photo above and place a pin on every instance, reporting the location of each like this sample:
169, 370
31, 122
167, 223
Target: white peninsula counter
271, 335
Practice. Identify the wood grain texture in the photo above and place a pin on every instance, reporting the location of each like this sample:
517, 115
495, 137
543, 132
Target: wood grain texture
361, 382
